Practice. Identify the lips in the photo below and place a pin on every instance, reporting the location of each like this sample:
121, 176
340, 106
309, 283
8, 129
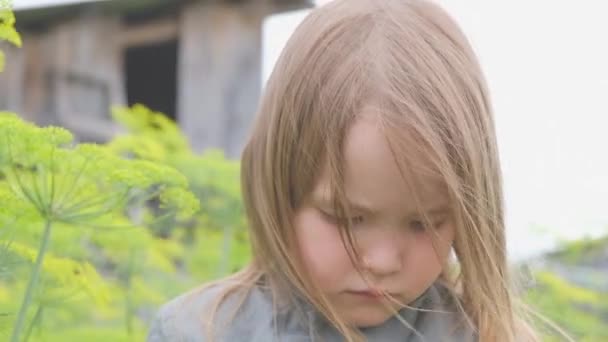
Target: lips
367, 293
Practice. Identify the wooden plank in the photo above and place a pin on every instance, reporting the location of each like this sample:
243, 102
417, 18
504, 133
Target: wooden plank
86, 76
12, 78
220, 74
150, 32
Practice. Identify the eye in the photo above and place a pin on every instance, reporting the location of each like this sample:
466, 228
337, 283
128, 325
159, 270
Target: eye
418, 226
355, 220
329, 217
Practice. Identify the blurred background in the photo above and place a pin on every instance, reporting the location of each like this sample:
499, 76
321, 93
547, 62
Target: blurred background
203, 64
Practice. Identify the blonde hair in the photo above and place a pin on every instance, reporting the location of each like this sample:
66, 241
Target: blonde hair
410, 61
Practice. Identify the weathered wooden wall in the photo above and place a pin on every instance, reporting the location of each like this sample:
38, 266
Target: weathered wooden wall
73, 72
220, 74
13, 77
68, 75
87, 75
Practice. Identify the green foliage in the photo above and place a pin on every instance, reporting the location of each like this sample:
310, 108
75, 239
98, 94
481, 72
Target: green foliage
7, 28
581, 251
581, 312
215, 180
212, 178
95, 237
50, 184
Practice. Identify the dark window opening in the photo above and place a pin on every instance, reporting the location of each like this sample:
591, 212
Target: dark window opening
151, 72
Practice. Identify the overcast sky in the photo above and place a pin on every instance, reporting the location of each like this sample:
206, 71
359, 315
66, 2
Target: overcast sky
22, 4
547, 67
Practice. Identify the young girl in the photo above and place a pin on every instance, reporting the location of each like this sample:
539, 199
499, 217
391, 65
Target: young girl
373, 193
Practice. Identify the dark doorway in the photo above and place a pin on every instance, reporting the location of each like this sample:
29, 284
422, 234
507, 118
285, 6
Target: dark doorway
151, 72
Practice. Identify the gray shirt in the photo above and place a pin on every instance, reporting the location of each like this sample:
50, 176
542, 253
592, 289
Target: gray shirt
181, 320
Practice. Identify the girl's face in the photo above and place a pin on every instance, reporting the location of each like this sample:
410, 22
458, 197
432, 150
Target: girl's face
397, 253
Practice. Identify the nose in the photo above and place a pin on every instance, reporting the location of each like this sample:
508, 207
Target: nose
383, 258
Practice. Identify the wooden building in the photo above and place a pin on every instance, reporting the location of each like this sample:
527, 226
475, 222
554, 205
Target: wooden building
198, 61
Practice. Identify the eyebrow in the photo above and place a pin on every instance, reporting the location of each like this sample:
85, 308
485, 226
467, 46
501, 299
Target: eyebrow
433, 210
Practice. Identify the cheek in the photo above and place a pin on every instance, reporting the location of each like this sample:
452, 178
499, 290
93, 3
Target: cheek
438, 247
426, 260
423, 266
444, 243
321, 249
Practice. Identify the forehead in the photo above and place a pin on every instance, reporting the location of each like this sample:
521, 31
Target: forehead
382, 176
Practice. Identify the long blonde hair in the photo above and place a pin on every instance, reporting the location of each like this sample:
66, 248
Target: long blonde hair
410, 61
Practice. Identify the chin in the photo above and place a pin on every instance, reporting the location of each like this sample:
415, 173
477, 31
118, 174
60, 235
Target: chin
369, 318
